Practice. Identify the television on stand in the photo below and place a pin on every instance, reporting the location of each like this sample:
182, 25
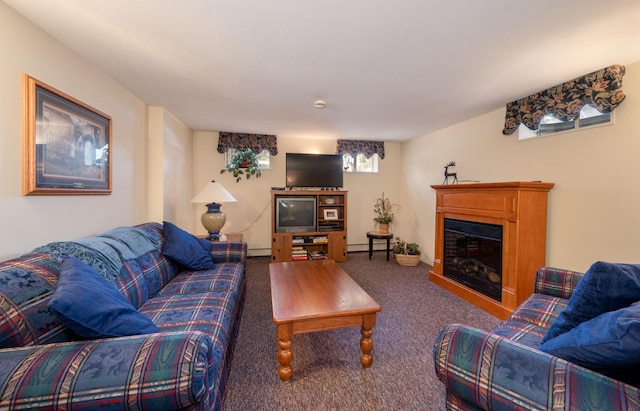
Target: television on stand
314, 170
295, 214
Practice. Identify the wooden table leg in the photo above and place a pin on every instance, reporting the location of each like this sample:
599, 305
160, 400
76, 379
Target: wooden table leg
366, 342
285, 356
388, 247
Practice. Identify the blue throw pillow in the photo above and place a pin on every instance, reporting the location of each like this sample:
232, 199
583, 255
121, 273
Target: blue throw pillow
605, 287
92, 307
186, 249
608, 344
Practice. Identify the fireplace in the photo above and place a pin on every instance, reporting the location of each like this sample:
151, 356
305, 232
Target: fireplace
498, 235
473, 255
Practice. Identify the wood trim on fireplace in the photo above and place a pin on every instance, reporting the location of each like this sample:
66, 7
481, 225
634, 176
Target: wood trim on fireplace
521, 209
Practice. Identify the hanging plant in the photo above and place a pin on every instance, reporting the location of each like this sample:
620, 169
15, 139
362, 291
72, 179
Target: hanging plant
243, 163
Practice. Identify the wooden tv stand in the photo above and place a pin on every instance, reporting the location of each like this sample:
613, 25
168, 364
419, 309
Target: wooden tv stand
330, 235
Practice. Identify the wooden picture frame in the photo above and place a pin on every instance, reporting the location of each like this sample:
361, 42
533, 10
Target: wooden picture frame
330, 213
66, 143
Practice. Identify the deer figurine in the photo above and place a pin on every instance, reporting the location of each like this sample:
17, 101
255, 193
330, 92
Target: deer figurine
447, 174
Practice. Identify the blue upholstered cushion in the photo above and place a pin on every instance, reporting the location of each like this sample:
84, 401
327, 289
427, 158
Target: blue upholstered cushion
185, 249
605, 287
92, 307
608, 344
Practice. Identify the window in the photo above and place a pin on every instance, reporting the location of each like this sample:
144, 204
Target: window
361, 163
589, 116
264, 158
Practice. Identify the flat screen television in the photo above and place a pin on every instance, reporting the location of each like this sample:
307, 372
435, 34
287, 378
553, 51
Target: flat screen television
314, 170
295, 214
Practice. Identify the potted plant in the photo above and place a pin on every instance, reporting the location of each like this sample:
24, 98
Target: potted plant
384, 210
243, 163
406, 253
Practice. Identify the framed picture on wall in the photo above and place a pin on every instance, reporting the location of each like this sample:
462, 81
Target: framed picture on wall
66, 143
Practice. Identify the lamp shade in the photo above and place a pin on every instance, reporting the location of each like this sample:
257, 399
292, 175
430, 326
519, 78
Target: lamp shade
213, 193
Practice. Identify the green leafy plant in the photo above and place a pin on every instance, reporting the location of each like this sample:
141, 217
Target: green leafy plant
243, 163
402, 247
384, 210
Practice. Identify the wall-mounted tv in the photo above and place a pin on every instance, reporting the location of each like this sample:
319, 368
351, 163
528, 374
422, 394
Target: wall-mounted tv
314, 170
295, 214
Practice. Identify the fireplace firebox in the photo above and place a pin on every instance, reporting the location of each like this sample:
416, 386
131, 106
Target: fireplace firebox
473, 255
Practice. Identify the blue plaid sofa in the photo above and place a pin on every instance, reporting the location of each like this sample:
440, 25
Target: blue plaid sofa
44, 365
503, 369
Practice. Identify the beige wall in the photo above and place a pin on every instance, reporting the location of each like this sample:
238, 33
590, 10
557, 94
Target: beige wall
170, 170
34, 220
592, 212
30, 221
251, 214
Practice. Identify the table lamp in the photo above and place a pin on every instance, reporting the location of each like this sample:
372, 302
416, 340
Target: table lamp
213, 219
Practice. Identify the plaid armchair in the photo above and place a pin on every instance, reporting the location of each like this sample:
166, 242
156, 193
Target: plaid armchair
502, 369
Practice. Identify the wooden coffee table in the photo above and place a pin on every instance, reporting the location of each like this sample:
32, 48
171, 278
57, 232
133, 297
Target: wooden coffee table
318, 295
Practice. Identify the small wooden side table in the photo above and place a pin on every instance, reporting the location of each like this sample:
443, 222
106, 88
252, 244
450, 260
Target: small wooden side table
234, 237
230, 237
376, 235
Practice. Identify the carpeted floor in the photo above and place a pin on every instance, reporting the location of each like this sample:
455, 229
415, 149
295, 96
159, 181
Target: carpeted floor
327, 374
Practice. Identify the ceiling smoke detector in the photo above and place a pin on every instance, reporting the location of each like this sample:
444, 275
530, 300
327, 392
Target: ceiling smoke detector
320, 104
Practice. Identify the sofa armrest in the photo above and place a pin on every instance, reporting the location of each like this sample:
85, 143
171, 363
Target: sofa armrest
492, 372
556, 282
229, 252
153, 371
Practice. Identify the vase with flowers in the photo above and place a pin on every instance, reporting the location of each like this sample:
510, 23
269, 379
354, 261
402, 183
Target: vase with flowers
384, 209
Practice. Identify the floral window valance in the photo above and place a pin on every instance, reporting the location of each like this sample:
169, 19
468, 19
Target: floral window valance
355, 147
256, 142
601, 89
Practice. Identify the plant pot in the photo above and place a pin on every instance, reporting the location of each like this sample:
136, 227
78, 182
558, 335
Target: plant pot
408, 260
383, 228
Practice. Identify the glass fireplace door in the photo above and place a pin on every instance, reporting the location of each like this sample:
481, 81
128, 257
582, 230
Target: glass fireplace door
473, 255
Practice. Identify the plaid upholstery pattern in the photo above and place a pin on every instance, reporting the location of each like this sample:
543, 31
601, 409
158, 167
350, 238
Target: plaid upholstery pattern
150, 372
455, 403
132, 283
490, 372
529, 323
503, 370
226, 277
556, 282
211, 313
157, 271
231, 251
43, 366
26, 284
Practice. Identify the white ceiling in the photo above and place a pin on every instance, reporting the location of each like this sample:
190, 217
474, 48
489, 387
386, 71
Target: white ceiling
389, 70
